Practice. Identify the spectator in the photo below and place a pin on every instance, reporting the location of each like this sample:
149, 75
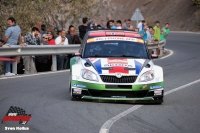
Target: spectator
93, 26
141, 25
108, 23
43, 29
164, 32
90, 22
82, 28
62, 59
137, 30
124, 23
51, 38
41, 62
102, 24
59, 32
112, 24
131, 27
127, 24
12, 37
157, 31
99, 26
119, 24
143, 33
32, 38
1, 42
151, 38
72, 37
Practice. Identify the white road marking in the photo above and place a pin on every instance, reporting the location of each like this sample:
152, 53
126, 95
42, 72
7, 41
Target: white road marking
107, 125
170, 54
188, 32
24, 75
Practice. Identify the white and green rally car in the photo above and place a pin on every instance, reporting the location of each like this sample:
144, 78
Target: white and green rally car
115, 65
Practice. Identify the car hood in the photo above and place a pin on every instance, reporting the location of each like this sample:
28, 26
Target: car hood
108, 66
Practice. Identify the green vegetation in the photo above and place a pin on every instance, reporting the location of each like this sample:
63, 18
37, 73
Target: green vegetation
196, 2
51, 12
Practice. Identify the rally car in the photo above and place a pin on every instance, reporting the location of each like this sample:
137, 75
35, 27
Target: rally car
115, 65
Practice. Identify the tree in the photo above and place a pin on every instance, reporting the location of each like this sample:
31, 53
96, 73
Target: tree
196, 2
51, 12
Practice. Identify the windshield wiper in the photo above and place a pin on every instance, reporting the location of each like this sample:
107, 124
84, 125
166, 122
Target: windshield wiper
130, 56
97, 56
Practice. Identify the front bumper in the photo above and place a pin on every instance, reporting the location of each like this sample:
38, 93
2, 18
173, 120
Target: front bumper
114, 92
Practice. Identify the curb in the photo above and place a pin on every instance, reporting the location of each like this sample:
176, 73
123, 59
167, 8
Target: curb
168, 54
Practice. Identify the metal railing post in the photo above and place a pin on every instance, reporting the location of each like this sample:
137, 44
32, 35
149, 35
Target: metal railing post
54, 63
14, 67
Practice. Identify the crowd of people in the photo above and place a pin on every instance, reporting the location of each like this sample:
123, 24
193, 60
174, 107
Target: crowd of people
39, 36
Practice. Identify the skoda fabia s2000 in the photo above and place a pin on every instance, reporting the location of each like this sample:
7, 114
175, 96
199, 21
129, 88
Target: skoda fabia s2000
115, 65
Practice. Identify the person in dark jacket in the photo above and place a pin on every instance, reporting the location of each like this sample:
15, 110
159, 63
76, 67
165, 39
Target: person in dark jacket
72, 37
82, 28
41, 62
108, 23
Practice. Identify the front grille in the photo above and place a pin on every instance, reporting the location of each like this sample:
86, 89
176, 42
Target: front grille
114, 79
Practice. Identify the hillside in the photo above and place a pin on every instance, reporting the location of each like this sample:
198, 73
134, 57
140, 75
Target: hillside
181, 14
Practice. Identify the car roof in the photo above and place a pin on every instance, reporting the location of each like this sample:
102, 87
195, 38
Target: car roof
113, 32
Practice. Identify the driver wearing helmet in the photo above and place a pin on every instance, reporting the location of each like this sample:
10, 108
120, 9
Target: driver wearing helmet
97, 49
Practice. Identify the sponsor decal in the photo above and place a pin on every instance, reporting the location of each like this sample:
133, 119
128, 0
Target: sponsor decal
156, 87
143, 87
97, 64
97, 39
121, 65
80, 85
138, 67
118, 65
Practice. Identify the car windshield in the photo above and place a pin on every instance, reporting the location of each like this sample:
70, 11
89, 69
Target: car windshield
115, 49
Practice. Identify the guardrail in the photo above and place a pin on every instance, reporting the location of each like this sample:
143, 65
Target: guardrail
50, 50
38, 50
155, 46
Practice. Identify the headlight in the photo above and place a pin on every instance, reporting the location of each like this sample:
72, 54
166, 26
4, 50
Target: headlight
147, 76
89, 75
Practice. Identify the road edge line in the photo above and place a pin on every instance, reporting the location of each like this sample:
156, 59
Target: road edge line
107, 125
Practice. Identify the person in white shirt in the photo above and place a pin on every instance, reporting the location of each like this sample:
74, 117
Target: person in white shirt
62, 40
141, 25
62, 59
119, 24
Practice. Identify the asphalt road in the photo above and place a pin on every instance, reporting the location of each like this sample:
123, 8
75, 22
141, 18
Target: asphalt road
47, 99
